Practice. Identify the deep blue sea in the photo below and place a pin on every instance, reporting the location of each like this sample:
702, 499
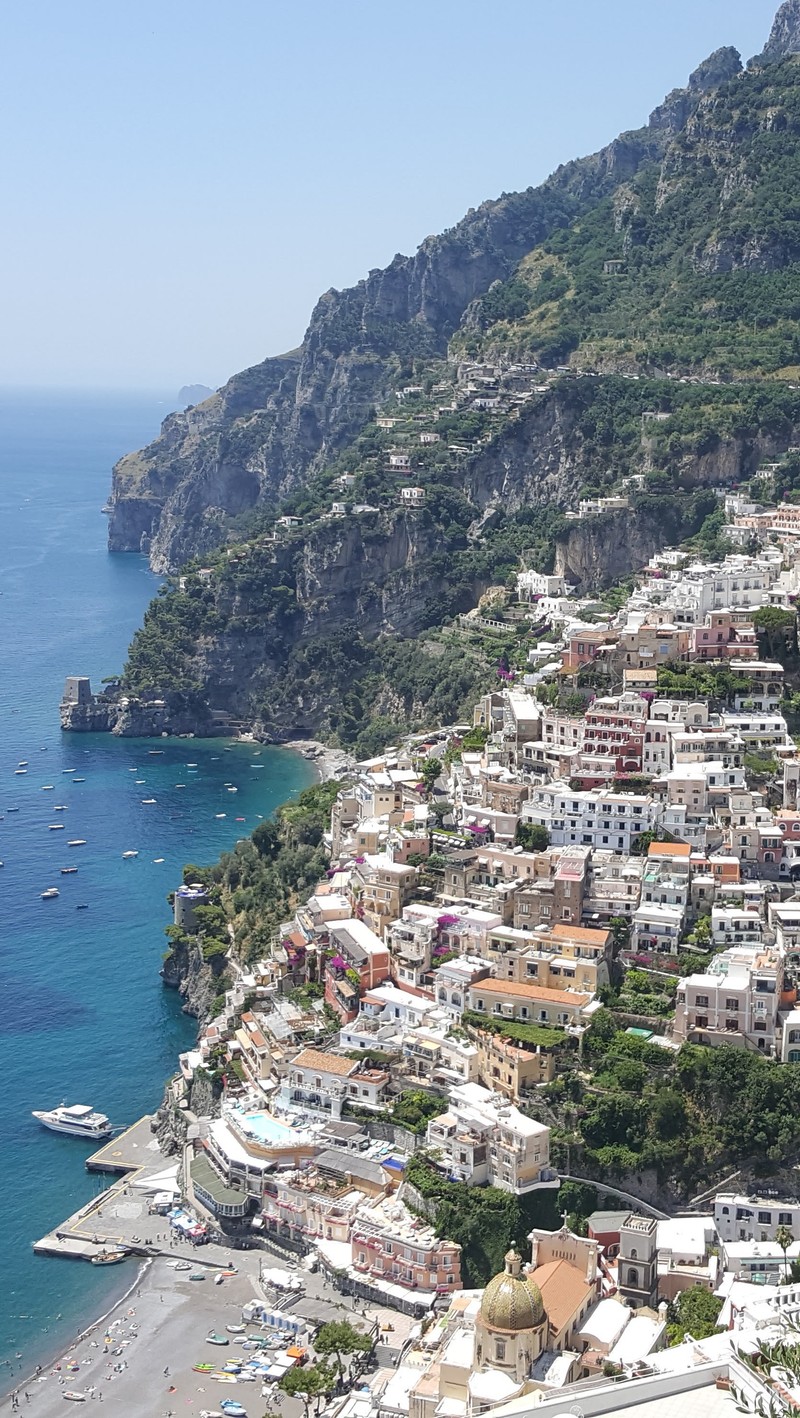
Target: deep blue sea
83, 1014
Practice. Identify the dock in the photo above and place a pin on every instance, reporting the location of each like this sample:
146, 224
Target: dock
121, 1215
130, 1152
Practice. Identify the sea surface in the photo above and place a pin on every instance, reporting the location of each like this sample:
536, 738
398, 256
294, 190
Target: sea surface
83, 1014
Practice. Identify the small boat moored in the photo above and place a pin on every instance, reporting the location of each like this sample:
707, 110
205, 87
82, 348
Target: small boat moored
77, 842
68, 871
109, 1257
75, 1397
50, 894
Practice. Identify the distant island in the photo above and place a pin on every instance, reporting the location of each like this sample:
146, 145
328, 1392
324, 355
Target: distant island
193, 394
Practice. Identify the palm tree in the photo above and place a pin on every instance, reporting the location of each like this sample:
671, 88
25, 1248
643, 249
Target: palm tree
784, 1238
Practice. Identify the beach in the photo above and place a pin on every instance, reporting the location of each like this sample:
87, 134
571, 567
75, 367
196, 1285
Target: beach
328, 762
160, 1325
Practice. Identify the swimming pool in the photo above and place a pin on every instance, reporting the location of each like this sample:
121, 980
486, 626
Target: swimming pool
268, 1130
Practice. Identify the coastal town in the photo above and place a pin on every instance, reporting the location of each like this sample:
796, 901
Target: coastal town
609, 850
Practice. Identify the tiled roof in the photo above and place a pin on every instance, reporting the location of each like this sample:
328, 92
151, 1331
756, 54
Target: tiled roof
563, 1290
326, 1063
531, 992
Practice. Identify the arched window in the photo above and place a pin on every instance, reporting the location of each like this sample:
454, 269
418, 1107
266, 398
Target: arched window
633, 1277
500, 1349
634, 1255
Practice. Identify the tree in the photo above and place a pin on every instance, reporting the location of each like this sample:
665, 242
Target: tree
695, 1311
784, 1238
338, 1339
620, 929
532, 836
431, 772
311, 1385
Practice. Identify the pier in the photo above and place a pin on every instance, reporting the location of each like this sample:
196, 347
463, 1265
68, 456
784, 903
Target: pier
130, 1152
121, 1215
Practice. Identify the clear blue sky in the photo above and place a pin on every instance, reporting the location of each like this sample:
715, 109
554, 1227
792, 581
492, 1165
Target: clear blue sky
182, 180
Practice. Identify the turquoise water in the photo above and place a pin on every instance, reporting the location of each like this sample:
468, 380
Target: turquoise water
83, 1014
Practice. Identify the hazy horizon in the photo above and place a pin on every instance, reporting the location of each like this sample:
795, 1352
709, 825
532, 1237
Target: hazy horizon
186, 182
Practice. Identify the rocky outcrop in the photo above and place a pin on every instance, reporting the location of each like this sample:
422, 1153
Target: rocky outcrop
139, 718
594, 553
196, 979
784, 37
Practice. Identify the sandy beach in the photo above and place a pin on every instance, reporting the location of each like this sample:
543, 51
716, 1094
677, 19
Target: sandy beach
161, 1325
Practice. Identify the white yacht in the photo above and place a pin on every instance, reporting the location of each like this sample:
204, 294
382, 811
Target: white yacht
79, 1120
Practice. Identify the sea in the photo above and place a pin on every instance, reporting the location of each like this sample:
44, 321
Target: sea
84, 1016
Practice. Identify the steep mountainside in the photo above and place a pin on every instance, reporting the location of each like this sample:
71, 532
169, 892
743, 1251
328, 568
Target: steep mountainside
259, 436
632, 324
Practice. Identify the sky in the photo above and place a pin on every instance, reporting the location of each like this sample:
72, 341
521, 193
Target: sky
182, 181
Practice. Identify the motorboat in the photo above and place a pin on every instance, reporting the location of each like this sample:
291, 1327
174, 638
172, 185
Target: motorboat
83, 906
55, 827
50, 894
213, 1338
235, 1328
157, 861
69, 770
232, 1408
20, 772
75, 1397
79, 780
128, 855
181, 1265
68, 871
59, 807
48, 787
77, 1119
220, 814
148, 801
77, 842
109, 1257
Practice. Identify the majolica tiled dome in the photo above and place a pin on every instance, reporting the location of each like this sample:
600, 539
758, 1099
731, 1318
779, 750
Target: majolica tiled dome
511, 1303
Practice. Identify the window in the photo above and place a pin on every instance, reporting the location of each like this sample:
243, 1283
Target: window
701, 1002
500, 1349
732, 1005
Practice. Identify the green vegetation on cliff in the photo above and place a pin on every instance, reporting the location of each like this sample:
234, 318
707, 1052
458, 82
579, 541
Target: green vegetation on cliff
688, 265
260, 882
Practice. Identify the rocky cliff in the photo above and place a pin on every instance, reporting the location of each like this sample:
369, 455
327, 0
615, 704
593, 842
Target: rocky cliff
784, 37
139, 718
270, 426
196, 979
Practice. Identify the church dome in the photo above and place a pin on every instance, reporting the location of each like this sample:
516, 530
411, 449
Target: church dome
510, 1302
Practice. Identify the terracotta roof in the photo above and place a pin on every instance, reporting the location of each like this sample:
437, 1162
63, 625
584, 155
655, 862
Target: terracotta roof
326, 1063
584, 933
669, 849
526, 991
563, 1289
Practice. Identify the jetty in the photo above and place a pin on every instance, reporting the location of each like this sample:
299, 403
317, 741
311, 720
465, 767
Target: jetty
121, 1216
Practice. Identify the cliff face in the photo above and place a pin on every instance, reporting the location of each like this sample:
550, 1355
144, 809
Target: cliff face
264, 431
134, 718
785, 35
196, 979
